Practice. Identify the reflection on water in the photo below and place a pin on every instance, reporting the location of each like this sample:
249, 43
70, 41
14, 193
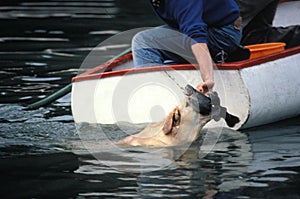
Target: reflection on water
255, 163
49, 40
43, 43
241, 164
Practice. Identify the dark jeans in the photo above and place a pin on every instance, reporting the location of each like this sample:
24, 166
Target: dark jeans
165, 45
259, 27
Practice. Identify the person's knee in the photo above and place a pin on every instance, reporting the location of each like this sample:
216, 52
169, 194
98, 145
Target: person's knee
152, 36
138, 37
142, 37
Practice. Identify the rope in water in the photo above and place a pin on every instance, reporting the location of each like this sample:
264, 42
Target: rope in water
51, 98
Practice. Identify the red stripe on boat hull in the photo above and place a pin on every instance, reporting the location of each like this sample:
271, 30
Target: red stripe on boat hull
103, 71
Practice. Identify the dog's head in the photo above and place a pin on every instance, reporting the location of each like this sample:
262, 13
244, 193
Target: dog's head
191, 115
184, 122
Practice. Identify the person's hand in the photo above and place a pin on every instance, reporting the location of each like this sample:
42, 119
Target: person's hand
206, 86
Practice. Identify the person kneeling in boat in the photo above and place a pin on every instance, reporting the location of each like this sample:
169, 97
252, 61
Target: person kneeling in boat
258, 18
196, 31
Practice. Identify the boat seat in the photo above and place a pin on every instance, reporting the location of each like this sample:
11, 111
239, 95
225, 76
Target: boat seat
255, 51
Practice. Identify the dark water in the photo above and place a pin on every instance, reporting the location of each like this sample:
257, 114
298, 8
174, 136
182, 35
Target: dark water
42, 45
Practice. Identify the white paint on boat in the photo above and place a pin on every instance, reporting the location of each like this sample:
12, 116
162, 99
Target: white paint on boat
149, 97
274, 90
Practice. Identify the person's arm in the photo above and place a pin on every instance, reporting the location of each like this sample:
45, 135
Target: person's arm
189, 18
202, 55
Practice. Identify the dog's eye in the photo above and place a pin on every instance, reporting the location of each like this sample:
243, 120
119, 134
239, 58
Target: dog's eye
176, 115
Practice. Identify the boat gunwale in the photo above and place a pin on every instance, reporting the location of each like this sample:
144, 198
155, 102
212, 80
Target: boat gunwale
105, 70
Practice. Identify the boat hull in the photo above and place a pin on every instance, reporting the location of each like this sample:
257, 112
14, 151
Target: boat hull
273, 89
260, 94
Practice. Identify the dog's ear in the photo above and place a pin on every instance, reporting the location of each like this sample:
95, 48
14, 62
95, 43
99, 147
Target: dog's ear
167, 128
173, 119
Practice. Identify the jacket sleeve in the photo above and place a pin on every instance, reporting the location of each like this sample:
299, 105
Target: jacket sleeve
190, 22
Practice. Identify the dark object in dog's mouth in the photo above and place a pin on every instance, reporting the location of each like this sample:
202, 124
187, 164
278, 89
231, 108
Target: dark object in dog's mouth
208, 105
197, 100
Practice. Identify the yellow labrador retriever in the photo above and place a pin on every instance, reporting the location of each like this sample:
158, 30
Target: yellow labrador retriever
182, 125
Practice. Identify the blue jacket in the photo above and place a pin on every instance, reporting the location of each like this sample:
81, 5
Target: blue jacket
193, 17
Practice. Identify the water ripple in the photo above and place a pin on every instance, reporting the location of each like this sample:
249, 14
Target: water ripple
57, 11
39, 39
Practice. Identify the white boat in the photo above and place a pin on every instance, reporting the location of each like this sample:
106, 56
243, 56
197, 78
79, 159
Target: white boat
259, 90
